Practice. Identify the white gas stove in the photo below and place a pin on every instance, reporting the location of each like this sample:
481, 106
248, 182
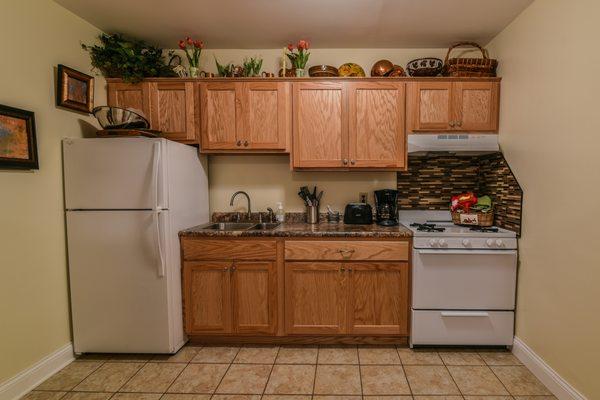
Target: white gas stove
464, 281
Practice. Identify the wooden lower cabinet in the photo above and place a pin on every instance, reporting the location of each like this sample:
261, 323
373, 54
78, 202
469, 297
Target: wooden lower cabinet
207, 294
315, 298
229, 297
377, 298
362, 298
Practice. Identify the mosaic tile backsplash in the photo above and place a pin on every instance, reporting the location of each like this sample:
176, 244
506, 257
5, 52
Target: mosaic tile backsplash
432, 180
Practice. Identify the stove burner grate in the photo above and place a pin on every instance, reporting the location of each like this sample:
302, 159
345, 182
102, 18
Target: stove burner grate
427, 227
484, 229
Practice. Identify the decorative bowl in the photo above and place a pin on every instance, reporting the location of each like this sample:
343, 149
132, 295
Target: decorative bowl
351, 69
120, 118
322, 71
427, 66
396, 72
382, 68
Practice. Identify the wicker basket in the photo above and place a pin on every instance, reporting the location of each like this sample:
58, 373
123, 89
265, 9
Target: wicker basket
469, 67
473, 219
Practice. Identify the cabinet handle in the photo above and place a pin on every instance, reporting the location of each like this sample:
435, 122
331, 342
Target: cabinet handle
245, 143
238, 143
458, 123
452, 123
345, 161
352, 162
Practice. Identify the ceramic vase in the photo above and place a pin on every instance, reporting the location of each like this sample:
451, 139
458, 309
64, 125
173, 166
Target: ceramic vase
300, 72
194, 72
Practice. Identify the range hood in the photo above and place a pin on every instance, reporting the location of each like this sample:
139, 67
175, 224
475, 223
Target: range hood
458, 143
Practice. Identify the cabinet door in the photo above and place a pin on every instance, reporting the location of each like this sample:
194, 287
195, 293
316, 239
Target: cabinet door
320, 125
265, 120
476, 106
377, 298
130, 95
430, 106
376, 128
172, 110
315, 298
207, 297
254, 289
219, 110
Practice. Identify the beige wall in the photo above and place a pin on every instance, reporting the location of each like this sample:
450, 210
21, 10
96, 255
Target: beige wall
549, 133
36, 35
268, 179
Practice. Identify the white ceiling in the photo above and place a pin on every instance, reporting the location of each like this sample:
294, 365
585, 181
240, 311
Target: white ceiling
262, 24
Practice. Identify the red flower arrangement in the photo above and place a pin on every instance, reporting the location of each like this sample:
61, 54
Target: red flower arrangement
299, 58
193, 49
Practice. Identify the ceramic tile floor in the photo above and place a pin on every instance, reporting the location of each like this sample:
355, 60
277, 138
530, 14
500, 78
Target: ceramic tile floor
296, 373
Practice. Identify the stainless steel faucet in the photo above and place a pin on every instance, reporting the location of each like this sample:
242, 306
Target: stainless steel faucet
247, 197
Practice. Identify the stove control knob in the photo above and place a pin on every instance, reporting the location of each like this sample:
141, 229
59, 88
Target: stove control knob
499, 243
432, 242
466, 242
489, 242
443, 243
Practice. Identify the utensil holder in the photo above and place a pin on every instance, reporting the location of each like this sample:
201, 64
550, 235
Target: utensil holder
312, 214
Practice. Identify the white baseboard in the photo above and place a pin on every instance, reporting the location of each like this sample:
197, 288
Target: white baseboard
26, 380
549, 377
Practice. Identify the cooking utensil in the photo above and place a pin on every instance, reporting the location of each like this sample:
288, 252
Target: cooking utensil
427, 66
382, 68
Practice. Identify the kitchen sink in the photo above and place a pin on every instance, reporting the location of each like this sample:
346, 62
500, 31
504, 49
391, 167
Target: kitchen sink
264, 226
241, 226
229, 226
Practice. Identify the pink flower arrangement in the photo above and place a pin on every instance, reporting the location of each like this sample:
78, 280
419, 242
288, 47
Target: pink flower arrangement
299, 55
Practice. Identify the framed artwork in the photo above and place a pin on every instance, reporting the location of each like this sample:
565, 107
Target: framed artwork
18, 148
75, 90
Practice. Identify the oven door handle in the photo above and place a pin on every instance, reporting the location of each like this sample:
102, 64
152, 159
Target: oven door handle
470, 252
465, 314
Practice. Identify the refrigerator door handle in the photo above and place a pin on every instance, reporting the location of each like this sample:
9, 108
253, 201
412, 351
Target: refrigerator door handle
161, 264
156, 173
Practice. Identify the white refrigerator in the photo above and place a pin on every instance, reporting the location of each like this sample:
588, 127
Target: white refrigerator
126, 199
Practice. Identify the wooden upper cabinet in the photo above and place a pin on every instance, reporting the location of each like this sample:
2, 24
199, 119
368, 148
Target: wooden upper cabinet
244, 116
254, 289
172, 110
378, 298
130, 95
315, 298
430, 106
207, 294
320, 125
265, 117
376, 128
476, 105
464, 106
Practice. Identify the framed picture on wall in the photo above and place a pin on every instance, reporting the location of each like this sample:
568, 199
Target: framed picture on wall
18, 148
75, 90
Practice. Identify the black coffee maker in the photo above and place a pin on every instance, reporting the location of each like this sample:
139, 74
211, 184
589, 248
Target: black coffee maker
386, 207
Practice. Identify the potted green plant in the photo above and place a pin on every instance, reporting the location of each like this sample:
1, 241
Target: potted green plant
252, 66
193, 50
299, 56
131, 60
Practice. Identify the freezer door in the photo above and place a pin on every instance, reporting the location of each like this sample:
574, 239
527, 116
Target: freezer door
114, 173
119, 281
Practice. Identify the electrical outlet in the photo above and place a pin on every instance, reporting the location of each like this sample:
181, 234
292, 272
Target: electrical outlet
363, 197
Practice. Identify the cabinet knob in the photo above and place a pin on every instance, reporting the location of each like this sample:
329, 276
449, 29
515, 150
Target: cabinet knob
342, 269
238, 143
345, 161
233, 268
349, 269
245, 143
452, 124
458, 123
352, 162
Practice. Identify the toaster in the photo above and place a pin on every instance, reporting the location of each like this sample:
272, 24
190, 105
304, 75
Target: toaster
358, 213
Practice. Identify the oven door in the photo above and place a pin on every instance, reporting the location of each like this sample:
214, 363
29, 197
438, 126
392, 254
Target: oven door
464, 279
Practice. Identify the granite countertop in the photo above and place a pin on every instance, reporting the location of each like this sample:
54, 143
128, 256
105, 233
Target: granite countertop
302, 229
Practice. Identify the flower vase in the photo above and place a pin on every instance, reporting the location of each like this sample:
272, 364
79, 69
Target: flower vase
300, 72
194, 72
